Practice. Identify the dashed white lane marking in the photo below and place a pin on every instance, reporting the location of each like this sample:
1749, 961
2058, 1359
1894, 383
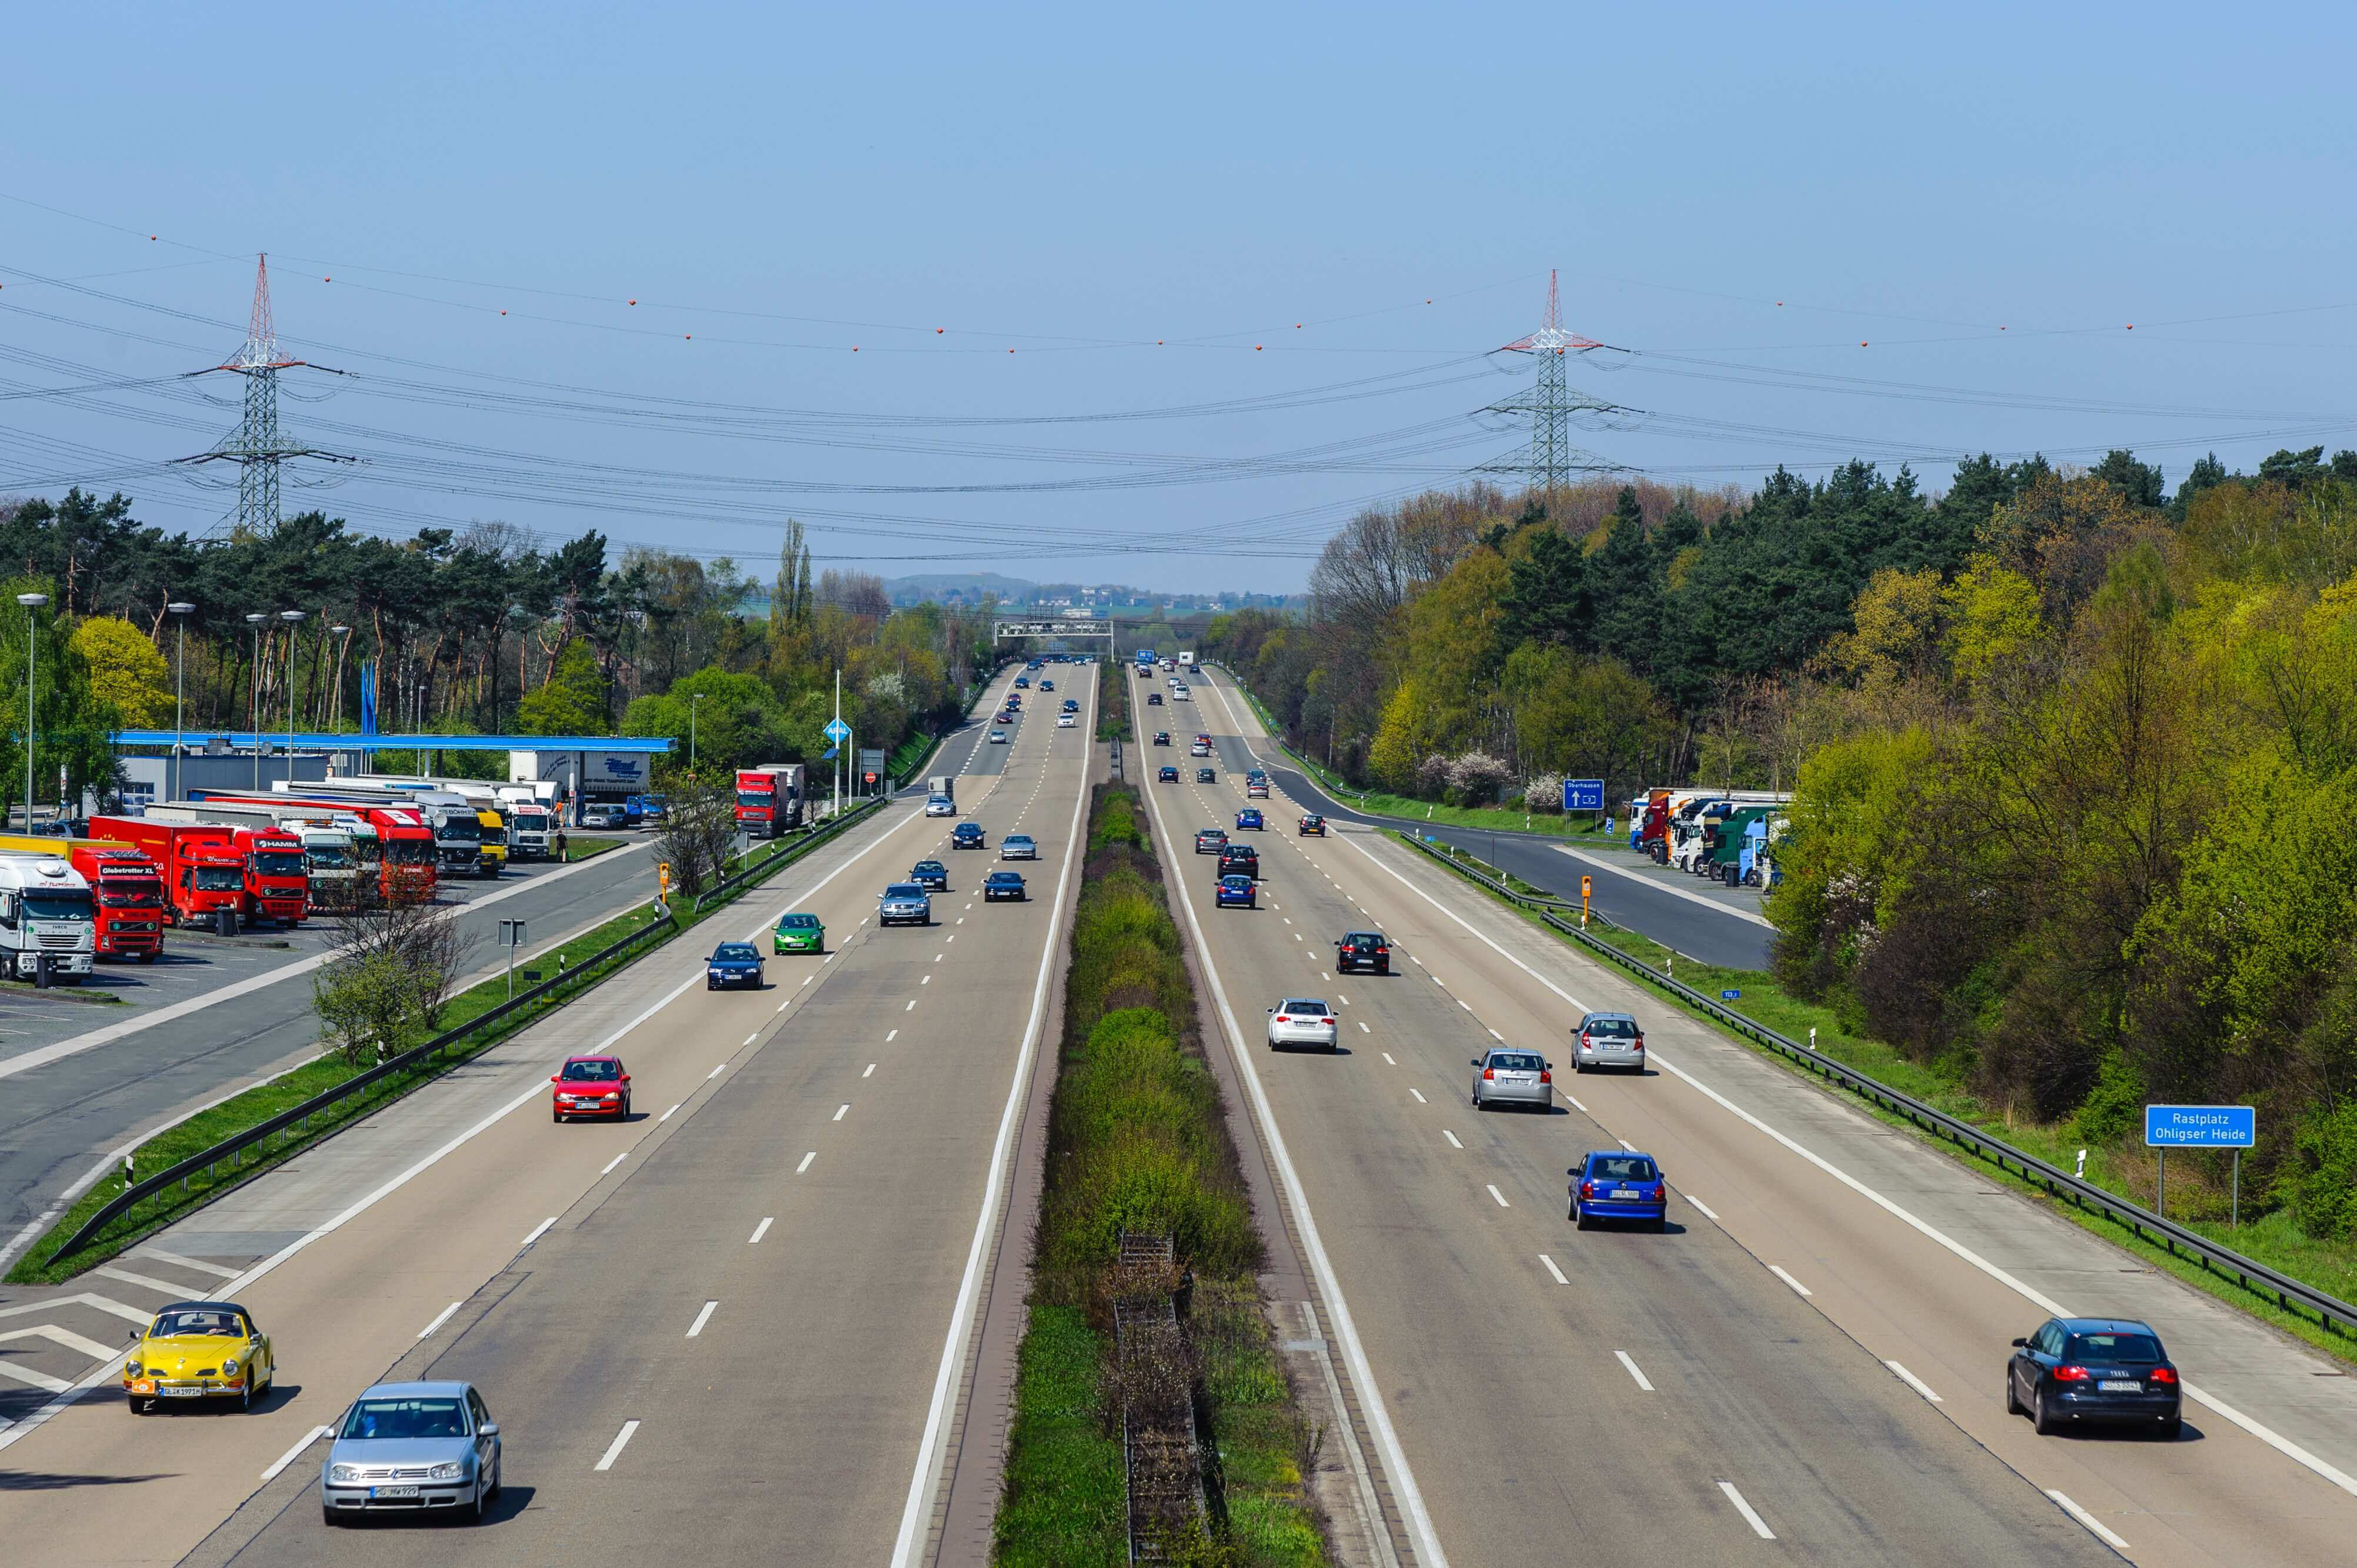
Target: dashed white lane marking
1467, 1006
1912, 1381
1492, 1186
937, 958
702, 1318
715, 1072
1553, 1270
911, 1006
614, 1449
1345, 1001
1633, 1372
667, 1115
929, 979
1497, 1036
1454, 1143
889, 1036
538, 1232
1364, 1030
1387, 1057
806, 1162
439, 1319
752, 1037
1703, 1208
295, 1453
1420, 1099
1583, 1110
761, 1231
1626, 1144
1789, 1280
2090, 1520
841, 1112
1752, 1515
783, 1005
871, 1067
617, 1160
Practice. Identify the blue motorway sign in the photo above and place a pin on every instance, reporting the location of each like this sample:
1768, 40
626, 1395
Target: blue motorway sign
2200, 1126
1730, 996
1583, 794
837, 732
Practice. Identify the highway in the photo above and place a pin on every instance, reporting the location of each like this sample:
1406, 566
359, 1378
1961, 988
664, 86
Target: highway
1815, 1350
735, 1321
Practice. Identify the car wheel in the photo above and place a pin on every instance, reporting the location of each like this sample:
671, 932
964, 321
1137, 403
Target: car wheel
1579, 1220
498, 1475
1662, 1226
474, 1510
2172, 1429
245, 1395
327, 1516
2012, 1397
2038, 1418
139, 1405
712, 985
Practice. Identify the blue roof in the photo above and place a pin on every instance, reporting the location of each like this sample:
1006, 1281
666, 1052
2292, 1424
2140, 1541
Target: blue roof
656, 744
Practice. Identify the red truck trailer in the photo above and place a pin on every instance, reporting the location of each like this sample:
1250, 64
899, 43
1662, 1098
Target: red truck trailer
204, 874
404, 845
127, 885
769, 798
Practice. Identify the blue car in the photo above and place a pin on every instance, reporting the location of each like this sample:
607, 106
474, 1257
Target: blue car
1023, 682
966, 835
932, 875
1609, 1183
634, 809
1047, 685
1003, 885
651, 805
1249, 818
1237, 889
2097, 1371
733, 964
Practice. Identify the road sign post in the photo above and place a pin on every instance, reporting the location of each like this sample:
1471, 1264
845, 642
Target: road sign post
2167, 1127
1586, 886
510, 937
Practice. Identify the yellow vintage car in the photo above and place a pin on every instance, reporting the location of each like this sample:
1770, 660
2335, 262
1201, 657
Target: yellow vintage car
197, 1350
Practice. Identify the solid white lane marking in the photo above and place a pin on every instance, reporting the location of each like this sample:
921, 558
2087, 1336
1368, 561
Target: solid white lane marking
1663, 885
1387, 1057
871, 1067
702, 1318
295, 1453
2100, 1531
842, 1111
1553, 1270
1789, 1280
1750, 1515
806, 1162
440, 1318
175, 1259
1454, 1143
761, 1231
1493, 1188
667, 1115
1701, 1208
614, 1449
1633, 1371
617, 1160
1912, 1381
1420, 1099
538, 1232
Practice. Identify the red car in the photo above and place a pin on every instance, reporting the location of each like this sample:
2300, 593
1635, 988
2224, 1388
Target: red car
590, 1086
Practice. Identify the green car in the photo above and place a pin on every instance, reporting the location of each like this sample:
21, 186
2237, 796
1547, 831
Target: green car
798, 933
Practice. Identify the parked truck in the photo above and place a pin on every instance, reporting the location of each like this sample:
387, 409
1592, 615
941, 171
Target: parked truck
204, 876
48, 921
128, 888
395, 845
339, 868
769, 798
470, 839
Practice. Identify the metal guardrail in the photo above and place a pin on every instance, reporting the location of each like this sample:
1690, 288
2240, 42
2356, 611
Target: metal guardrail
1316, 774
234, 1146
2291, 1295
809, 839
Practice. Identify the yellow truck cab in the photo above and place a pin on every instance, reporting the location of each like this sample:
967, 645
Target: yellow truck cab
495, 840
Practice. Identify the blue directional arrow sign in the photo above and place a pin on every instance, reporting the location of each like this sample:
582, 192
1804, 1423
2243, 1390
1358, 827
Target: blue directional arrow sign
837, 731
2200, 1126
1583, 794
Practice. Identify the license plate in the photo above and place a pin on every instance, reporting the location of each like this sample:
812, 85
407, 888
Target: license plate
180, 1393
2120, 1386
392, 1491
1625, 1194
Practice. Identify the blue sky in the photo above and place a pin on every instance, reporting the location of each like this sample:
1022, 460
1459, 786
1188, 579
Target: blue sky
777, 187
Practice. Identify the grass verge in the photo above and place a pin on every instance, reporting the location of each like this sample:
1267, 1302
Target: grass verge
264, 1101
2273, 1240
1138, 1140
586, 848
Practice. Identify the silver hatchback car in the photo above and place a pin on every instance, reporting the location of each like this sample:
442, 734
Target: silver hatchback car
1609, 1039
1503, 1076
420, 1449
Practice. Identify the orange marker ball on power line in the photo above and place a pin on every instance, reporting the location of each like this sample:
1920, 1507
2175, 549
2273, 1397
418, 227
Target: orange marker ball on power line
2131, 326
1861, 343
1255, 348
634, 302
937, 331
502, 313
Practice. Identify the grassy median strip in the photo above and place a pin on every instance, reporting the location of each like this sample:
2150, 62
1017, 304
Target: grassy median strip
1138, 1141
323, 1072
2275, 1240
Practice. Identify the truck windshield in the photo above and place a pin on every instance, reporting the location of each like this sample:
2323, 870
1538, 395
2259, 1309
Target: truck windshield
278, 863
464, 829
133, 893
755, 798
409, 851
327, 857
218, 878
41, 905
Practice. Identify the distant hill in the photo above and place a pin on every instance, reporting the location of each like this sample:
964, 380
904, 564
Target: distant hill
955, 585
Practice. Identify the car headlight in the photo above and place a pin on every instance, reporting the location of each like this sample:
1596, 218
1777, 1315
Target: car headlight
132, 1366
343, 1473
452, 1471
229, 1366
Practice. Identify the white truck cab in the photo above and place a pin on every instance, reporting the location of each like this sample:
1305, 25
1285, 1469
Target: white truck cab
46, 914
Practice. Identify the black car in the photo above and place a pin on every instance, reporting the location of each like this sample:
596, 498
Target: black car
1167, 776
1207, 775
930, 875
966, 835
1162, 738
1153, 699
1003, 885
1210, 841
1364, 950
2101, 1370
1239, 857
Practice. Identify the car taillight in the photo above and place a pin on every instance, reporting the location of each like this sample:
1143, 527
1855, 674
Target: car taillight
1282, 1019
2164, 1374
1381, 951
1547, 1077
1640, 1042
1582, 1039
1587, 1189
1489, 1072
2067, 1374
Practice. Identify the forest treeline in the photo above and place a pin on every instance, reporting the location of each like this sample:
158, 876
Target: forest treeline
2070, 752
472, 631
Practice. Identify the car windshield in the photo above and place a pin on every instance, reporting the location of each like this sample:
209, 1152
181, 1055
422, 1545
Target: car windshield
2141, 1348
1306, 1009
593, 1072
1017, 838
799, 923
44, 905
278, 863
1005, 878
210, 1320
1623, 1027
904, 890
1516, 1061
1620, 1167
394, 1419
735, 952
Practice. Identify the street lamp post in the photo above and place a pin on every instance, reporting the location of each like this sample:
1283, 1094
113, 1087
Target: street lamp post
32, 653
254, 709
692, 700
179, 610
336, 710
293, 619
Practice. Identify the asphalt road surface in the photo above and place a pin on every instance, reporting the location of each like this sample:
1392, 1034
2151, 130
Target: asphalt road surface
809, 1160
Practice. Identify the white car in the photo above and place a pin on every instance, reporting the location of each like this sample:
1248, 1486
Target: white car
999, 737
1063, 720
940, 806
1303, 1021
1180, 694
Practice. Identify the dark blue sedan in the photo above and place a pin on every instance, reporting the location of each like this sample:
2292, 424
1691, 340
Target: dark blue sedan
1003, 885
1609, 1184
733, 964
1249, 818
2096, 1372
1237, 890
966, 835
930, 875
